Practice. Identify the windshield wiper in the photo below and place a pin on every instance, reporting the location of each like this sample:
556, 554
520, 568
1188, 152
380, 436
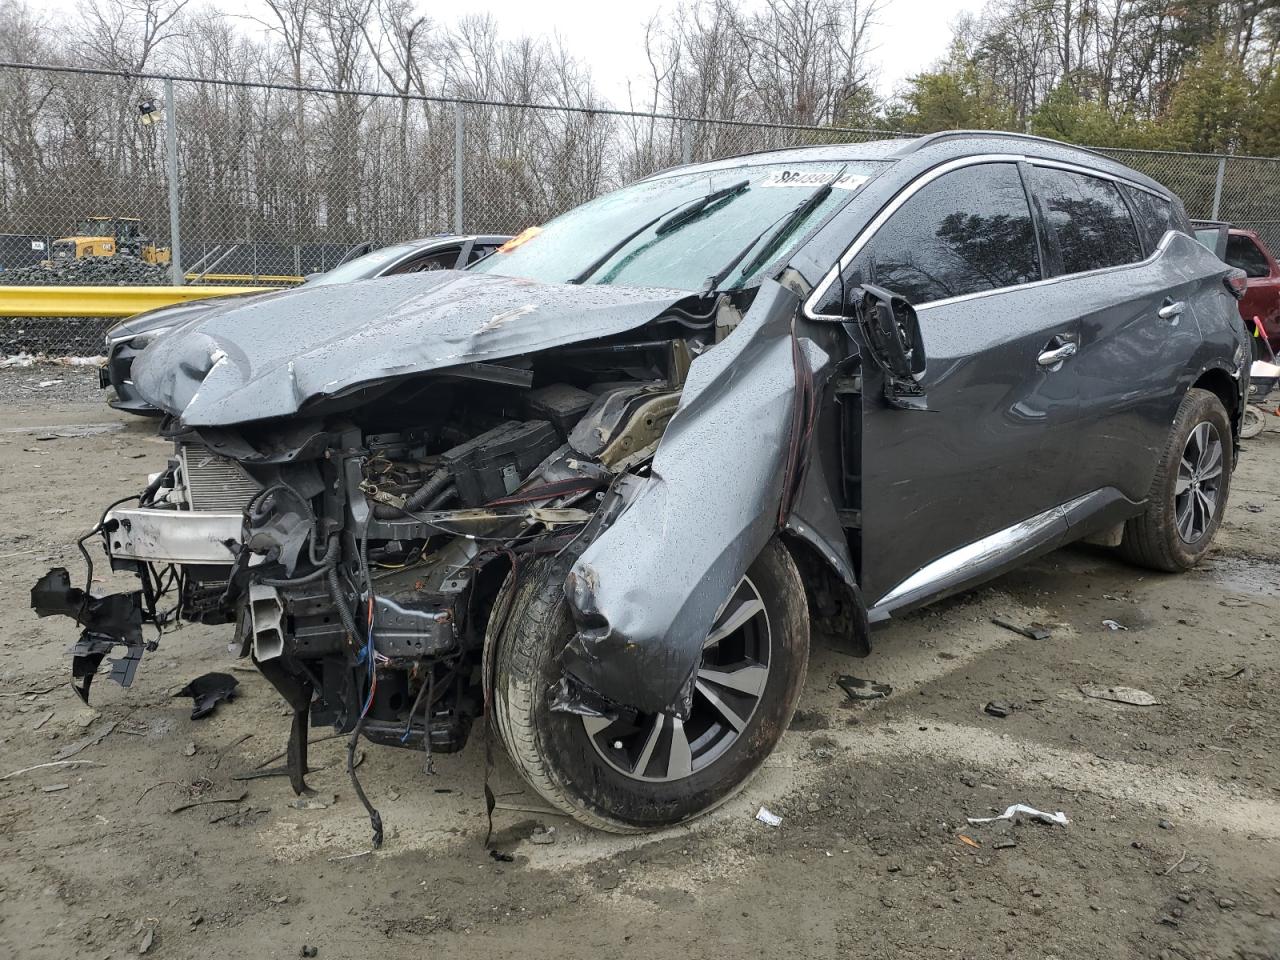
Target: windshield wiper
667, 221
776, 233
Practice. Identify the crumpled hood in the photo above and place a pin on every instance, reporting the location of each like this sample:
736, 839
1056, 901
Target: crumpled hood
172, 315
271, 355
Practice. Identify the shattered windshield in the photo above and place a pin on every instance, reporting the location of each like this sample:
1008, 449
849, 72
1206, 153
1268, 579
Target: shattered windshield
658, 246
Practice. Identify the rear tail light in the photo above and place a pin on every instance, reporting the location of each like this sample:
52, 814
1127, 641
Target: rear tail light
1237, 283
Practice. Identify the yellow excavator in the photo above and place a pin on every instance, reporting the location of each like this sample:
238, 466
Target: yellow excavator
107, 237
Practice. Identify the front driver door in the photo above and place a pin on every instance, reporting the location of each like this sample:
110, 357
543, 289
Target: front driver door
948, 490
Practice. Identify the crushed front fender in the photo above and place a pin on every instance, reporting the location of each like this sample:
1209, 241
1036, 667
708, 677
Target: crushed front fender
645, 593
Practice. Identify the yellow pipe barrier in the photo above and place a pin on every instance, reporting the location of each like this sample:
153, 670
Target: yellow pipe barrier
71, 301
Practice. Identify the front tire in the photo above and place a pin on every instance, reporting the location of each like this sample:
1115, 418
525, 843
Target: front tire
1189, 492
643, 772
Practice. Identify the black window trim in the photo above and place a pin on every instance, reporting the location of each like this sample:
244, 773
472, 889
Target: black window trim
910, 189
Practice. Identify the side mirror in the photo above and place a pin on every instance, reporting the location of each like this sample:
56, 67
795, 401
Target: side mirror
892, 333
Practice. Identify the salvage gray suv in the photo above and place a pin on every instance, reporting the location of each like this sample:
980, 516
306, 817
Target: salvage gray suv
600, 487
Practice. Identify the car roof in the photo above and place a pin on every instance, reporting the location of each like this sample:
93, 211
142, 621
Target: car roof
937, 147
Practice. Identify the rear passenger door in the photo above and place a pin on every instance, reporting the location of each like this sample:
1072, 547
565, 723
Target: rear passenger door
1133, 302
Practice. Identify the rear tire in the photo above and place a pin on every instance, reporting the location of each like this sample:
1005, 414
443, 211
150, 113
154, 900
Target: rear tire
581, 767
1189, 492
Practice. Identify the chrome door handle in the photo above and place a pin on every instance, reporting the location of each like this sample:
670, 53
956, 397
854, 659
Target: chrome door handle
1171, 310
1049, 358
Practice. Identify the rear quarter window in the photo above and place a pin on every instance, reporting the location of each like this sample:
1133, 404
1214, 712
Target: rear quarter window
1156, 216
1089, 219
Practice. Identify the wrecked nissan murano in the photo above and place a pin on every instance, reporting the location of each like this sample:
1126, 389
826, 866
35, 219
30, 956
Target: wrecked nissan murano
599, 488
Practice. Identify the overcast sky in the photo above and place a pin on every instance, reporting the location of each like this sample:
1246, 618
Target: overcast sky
609, 36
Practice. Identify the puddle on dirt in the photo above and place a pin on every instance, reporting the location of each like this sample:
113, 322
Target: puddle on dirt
1245, 576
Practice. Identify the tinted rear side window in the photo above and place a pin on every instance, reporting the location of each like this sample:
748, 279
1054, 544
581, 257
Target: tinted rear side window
1244, 254
967, 231
1089, 218
1156, 215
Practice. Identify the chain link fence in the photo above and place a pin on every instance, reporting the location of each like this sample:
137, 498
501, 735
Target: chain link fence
216, 181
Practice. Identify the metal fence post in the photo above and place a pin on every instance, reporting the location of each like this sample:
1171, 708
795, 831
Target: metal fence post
171, 163
459, 131
1217, 187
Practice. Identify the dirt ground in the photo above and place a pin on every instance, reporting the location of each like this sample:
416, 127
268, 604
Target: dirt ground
1172, 851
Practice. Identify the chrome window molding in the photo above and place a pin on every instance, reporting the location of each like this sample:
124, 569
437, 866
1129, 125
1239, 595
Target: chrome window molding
915, 186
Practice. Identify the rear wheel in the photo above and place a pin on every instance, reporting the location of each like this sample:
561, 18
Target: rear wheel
1189, 493
638, 772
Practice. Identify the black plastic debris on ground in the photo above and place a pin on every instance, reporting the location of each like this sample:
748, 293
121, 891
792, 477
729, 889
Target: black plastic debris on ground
208, 691
1032, 631
997, 708
856, 688
110, 621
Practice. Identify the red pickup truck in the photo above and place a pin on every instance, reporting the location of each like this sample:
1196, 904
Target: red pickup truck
1245, 249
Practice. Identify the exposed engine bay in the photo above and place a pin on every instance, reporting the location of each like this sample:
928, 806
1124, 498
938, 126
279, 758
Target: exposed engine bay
364, 548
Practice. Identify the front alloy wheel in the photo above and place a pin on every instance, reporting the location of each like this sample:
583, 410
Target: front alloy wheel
635, 772
730, 684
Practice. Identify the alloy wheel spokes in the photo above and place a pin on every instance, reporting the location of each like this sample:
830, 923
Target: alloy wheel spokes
1195, 496
728, 686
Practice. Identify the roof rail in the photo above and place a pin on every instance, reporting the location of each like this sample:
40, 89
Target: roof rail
928, 139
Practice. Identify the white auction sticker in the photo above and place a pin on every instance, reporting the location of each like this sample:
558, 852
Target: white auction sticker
812, 179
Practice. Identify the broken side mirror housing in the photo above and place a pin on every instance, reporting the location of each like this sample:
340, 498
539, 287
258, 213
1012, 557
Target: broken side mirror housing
891, 331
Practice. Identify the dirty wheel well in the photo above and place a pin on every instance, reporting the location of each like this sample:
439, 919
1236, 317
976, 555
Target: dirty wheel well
833, 607
1221, 385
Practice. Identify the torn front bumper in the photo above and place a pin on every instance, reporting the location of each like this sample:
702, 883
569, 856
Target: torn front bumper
111, 621
134, 538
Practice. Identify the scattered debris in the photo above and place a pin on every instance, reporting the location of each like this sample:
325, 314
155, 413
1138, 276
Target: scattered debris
1130, 695
200, 803
1004, 844
1253, 507
307, 951
55, 787
54, 763
1114, 625
315, 803
1164, 824
1033, 631
1176, 864
1018, 810
1246, 671
997, 708
71, 749
351, 856
42, 721
543, 835
969, 841
502, 857
208, 690
189, 750
768, 817
148, 939
856, 688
